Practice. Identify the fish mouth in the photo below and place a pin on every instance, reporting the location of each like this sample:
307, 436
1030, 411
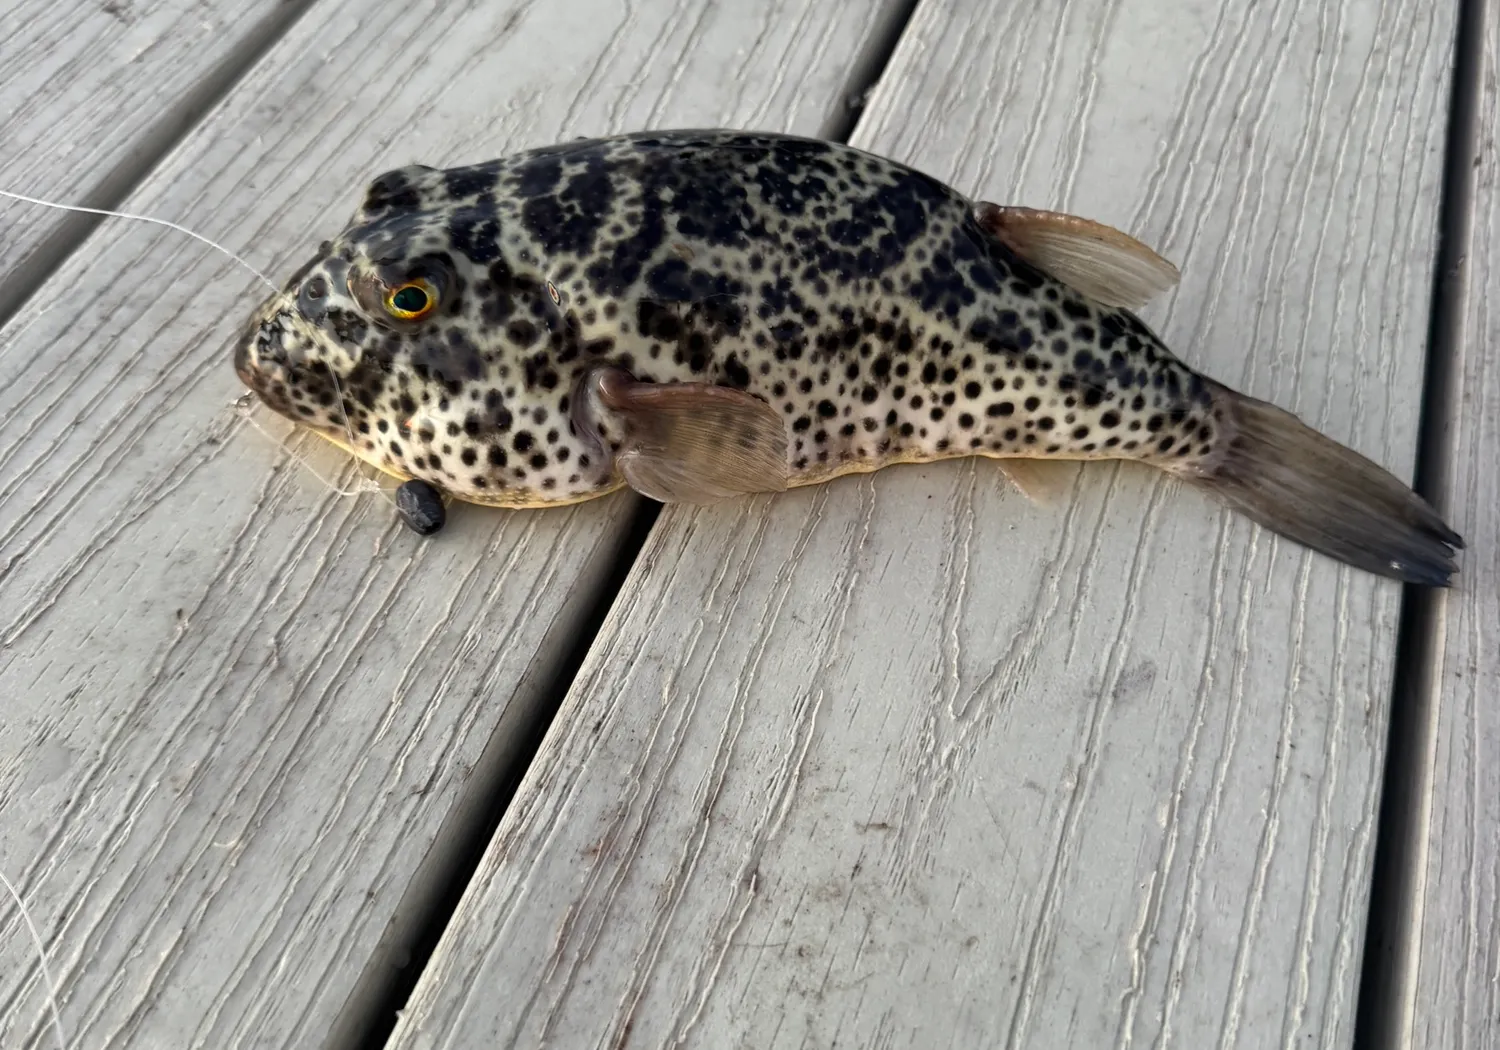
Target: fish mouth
264, 381
264, 357
279, 362
242, 365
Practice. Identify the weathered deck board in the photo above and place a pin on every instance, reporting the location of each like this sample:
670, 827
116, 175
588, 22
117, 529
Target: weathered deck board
1456, 1005
247, 720
906, 761
83, 90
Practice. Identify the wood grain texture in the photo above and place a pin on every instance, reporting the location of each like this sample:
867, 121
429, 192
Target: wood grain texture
1457, 1000
246, 718
907, 761
84, 86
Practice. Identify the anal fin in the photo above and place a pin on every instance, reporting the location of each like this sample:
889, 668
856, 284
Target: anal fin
1042, 482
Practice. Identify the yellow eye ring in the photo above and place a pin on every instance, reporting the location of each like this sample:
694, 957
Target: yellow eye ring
412, 301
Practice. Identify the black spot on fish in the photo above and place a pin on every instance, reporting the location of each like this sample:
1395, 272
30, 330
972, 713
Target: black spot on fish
736, 373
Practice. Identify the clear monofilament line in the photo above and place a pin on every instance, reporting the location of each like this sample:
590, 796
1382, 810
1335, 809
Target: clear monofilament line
41, 952
142, 218
364, 484
338, 390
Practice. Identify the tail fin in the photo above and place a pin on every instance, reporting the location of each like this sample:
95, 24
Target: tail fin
1284, 475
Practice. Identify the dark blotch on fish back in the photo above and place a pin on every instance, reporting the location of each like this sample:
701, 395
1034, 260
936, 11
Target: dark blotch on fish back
538, 176
394, 191
474, 230
472, 181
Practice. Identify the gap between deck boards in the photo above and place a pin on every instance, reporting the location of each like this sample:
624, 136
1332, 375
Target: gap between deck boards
159, 140
382, 992
1387, 985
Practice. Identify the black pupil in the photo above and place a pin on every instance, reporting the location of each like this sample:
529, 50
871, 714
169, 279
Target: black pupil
410, 300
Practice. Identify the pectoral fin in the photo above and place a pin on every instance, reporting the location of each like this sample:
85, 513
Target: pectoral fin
684, 442
1098, 260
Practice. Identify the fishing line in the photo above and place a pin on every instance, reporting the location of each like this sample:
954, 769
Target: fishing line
243, 407
365, 484
143, 218
41, 951
338, 390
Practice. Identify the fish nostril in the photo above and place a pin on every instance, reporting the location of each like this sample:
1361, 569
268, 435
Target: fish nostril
312, 300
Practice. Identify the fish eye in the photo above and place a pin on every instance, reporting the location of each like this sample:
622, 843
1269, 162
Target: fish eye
315, 288
412, 301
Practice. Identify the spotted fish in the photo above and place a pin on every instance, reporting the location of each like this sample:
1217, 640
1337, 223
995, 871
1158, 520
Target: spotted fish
700, 315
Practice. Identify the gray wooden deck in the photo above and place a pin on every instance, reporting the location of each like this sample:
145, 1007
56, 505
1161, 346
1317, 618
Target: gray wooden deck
904, 760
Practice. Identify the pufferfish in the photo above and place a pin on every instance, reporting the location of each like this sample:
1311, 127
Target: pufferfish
700, 315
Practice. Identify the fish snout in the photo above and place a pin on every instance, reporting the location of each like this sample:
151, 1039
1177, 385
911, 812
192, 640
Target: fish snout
262, 363
243, 365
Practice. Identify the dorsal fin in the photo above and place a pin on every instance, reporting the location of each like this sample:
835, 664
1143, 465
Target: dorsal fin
1100, 261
